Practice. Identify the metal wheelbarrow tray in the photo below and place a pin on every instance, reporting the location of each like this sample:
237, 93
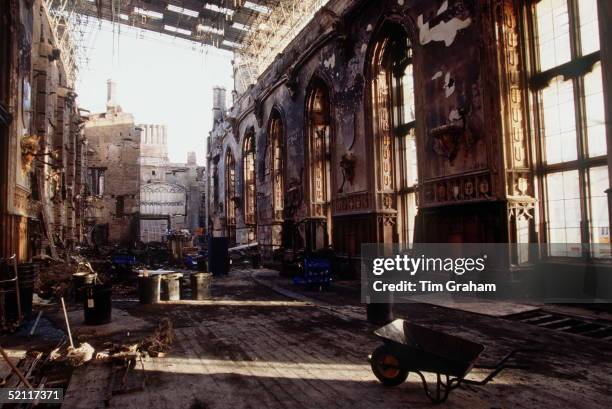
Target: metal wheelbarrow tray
413, 348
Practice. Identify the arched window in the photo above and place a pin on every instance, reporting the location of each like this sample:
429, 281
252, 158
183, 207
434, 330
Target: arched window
230, 195
394, 123
570, 126
319, 140
275, 132
250, 192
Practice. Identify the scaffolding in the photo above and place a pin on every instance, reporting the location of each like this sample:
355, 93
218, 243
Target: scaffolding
270, 33
255, 30
72, 32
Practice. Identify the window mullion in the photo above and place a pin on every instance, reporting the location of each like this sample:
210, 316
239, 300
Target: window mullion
574, 29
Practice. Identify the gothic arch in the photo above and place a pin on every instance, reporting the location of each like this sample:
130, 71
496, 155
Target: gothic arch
249, 160
276, 157
391, 127
230, 195
319, 141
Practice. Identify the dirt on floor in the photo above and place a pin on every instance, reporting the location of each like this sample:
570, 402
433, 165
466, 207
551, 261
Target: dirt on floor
261, 342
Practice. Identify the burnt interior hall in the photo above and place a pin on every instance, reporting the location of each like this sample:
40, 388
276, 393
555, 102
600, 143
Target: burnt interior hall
419, 122
199, 197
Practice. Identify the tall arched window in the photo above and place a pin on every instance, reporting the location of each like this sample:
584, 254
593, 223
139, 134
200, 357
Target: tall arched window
570, 126
319, 140
394, 123
230, 195
275, 132
250, 192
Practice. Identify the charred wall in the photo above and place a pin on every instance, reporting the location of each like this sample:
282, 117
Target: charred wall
42, 144
471, 125
114, 149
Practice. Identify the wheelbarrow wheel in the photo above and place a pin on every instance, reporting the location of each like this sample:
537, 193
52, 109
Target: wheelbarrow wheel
386, 367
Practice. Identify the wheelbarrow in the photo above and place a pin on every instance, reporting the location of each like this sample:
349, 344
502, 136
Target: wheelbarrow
413, 348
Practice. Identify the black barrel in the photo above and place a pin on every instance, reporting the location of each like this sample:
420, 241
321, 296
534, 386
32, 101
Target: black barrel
202, 263
97, 305
26, 296
27, 272
256, 261
10, 310
171, 287
218, 255
148, 289
200, 286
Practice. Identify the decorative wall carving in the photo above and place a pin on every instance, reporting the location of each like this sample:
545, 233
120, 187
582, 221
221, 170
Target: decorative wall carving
294, 196
20, 201
162, 198
347, 165
468, 188
510, 59
353, 203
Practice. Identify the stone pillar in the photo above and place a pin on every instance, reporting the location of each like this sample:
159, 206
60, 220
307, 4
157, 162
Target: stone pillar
111, 94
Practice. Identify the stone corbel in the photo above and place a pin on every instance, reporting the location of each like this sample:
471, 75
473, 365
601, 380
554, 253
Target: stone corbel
237, 201
258, 111
233, 122
347, 164
445, 140
291, 82
345, 39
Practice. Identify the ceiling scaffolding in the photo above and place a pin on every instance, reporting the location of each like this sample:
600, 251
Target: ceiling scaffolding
255, 30
73, 33
271, 32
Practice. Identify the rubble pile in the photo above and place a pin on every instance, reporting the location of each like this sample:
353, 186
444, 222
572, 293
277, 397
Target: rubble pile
54, 277
161, 341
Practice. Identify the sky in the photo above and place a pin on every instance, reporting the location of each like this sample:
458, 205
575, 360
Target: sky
160, 80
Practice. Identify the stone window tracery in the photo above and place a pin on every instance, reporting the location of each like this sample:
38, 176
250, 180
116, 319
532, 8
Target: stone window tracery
570, 126
230, 195
319, 147
250, 191
394, 125
275, 133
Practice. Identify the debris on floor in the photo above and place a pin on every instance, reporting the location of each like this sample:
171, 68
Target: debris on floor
159, 343
73, 356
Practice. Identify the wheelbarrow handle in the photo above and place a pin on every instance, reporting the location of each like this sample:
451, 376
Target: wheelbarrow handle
505, 358
500, 366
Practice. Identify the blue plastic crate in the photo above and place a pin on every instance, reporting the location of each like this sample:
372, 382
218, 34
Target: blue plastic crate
123, 259
316, 271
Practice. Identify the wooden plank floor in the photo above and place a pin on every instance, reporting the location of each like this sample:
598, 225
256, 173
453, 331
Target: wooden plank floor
299, 355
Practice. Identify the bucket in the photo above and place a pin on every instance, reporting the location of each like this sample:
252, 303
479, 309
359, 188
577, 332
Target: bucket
79, 282
97, 304
171, 287
200, 286
148, 289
